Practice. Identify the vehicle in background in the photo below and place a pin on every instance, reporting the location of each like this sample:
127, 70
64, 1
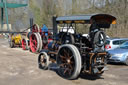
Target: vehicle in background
15, 40
119, 54
113, 43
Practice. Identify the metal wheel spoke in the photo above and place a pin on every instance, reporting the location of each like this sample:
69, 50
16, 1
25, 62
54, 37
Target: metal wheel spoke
34, 38
70, 71
35, 47
66, 70
24, 43
42, 61
70, 66
32, 41
35, 42
62, 65
71, 57
66, 54
63, 59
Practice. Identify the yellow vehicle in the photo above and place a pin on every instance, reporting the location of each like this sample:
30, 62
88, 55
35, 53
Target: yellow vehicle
15, 40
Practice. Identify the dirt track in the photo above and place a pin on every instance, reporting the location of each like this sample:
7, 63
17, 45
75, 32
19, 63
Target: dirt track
18, 67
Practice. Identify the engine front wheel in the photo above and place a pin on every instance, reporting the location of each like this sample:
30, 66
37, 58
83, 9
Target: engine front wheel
24, 44
69, 61
43, 60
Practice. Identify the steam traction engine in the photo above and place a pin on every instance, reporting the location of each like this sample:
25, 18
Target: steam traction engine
37, 39
14, 40
74, 53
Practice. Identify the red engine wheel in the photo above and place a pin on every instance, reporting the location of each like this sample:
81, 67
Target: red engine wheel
35, 28
34, 43
24, 44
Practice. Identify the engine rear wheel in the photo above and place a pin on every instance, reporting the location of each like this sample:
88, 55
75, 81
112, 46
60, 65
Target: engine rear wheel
69, 61
34, 43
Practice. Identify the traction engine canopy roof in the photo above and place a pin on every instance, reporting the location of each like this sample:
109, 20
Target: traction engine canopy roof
87, 19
